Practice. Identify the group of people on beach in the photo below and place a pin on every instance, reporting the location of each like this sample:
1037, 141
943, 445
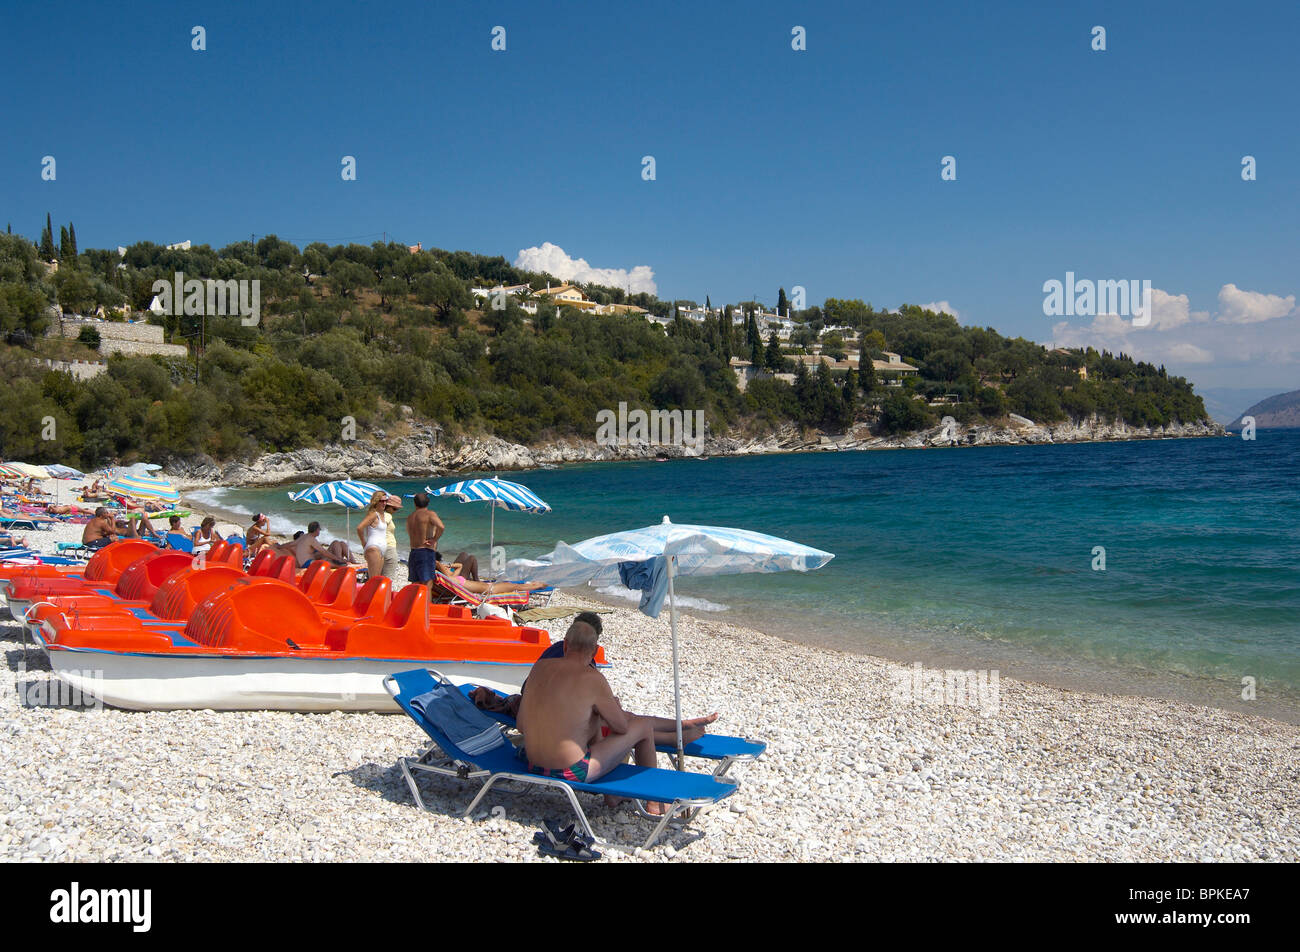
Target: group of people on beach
104, 527
377, 535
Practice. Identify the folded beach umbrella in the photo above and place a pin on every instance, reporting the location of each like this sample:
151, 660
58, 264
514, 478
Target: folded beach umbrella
140, 486
348, 493
498, 494
651, 557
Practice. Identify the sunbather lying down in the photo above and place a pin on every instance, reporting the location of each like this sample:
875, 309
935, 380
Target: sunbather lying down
487, 588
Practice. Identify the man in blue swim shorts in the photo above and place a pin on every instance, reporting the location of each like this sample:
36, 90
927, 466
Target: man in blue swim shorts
424, 529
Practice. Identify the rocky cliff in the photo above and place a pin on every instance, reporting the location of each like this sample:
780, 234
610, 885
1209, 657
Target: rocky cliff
426, 452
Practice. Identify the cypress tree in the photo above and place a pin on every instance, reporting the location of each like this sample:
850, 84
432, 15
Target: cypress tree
866, 372
72, 238
849, 393
64, 247
47, 240
772, 357
782, 305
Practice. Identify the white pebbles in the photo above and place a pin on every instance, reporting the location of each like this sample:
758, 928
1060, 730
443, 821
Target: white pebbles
850, 772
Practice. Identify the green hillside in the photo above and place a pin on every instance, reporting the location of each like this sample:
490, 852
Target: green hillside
357, 331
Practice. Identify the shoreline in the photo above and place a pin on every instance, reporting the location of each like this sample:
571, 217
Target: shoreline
935, 649
412, 458
1052, 673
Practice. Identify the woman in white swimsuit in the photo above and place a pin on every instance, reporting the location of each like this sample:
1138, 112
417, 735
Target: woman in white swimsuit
205, 535
373, 532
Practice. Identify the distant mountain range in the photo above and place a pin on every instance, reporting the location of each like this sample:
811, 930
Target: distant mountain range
1279, 410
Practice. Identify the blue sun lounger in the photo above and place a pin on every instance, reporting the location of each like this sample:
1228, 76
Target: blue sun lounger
453, 712
724, 750
24, 524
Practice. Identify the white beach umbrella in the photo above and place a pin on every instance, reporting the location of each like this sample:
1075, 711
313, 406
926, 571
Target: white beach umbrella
673, 550
31, 470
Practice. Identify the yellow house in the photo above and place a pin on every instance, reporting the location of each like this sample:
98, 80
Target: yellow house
566, 295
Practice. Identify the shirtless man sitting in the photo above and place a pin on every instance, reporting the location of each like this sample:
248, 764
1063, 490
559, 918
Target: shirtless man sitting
99, 531
306, 547
567, 703
693, 728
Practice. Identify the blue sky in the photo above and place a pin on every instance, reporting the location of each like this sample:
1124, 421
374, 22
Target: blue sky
774, 167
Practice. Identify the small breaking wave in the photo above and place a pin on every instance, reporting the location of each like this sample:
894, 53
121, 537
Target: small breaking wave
683, 601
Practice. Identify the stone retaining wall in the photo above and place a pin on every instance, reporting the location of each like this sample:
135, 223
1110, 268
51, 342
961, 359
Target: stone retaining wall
137, 348
140, 331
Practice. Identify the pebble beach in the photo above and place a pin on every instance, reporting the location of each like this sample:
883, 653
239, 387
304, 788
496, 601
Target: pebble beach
855, 770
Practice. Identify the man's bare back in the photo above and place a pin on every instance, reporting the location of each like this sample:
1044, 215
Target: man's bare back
560, 713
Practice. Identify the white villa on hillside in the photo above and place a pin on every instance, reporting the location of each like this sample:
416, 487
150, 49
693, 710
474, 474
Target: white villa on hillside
892, 369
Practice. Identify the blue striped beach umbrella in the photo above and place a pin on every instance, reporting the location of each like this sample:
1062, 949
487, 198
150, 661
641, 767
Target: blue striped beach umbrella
141, 486
498, 494
659, 553
348, 493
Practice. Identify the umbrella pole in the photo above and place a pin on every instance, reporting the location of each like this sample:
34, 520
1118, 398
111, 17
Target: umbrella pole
492, 540
677, 679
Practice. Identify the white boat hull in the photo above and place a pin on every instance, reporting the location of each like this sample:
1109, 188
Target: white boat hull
140, 682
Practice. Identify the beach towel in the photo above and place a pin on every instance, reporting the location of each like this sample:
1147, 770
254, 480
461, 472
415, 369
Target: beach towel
456, 716
650, 577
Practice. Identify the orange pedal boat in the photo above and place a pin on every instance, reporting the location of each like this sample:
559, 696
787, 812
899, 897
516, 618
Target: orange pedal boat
214, 637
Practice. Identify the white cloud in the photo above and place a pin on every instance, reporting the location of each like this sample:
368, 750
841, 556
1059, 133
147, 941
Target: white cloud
1250, 307
942, 307
1251, 333
555, 260
1173, 310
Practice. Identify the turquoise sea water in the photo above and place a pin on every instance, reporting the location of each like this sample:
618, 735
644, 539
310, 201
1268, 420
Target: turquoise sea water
981, 557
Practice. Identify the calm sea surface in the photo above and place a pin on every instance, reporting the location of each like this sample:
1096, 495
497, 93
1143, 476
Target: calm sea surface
980, 557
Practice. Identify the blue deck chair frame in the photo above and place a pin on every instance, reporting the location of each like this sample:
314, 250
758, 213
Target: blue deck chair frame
23, 524
685, 793
724, 750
